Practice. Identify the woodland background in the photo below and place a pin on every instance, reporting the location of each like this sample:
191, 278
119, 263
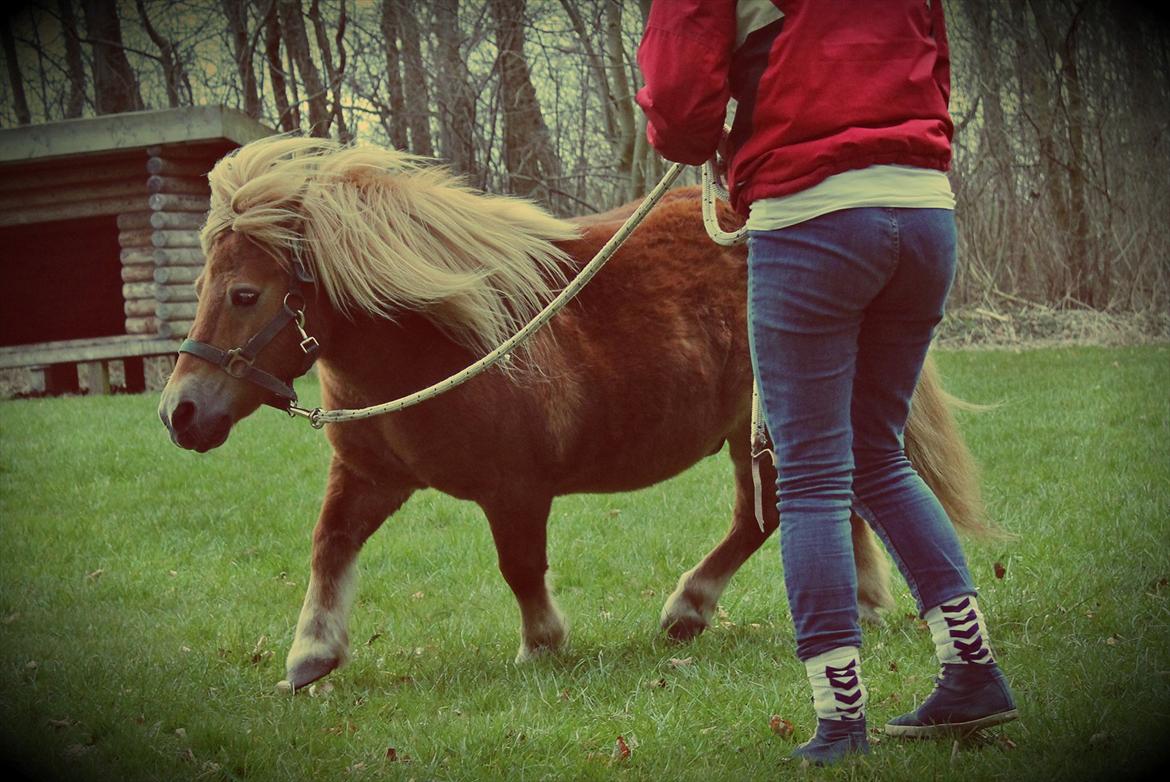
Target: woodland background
1062, 110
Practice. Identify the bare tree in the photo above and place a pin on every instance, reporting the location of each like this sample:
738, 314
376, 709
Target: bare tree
334, 74
174, 73
418, 115
288, 115
532, 162
296, 42
15, 78
114, 83
394, 116
74, 67
243, 50
456, 98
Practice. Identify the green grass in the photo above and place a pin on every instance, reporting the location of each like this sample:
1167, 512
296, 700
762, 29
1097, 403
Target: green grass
148, 597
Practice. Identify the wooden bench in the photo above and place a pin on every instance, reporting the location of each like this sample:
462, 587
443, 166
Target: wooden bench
56, 365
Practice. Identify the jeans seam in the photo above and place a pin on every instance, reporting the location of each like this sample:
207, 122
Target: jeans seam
871, 518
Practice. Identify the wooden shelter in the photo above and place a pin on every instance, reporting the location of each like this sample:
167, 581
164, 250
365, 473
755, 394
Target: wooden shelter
99, 237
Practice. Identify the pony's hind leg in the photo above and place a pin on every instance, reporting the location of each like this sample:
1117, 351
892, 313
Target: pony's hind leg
520, 531
688, 610
353, 510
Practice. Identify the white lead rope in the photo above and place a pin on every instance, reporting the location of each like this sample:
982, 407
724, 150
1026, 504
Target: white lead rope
318, 417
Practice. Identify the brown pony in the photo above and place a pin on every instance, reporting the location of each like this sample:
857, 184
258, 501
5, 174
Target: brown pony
403, 276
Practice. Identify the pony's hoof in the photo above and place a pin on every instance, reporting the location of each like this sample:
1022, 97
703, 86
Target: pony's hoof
681, 617
869, 614
683, 628
305, 672
528, 654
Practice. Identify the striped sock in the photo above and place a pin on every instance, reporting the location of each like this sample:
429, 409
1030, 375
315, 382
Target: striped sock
959, 633
835, 677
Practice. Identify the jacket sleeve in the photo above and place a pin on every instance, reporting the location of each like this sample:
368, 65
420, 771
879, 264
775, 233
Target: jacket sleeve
684, 56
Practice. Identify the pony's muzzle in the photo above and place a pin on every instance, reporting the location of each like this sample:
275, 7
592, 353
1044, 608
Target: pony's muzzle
192, 424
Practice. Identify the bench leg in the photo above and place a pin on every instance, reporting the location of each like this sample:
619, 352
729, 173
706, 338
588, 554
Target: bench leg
96, 376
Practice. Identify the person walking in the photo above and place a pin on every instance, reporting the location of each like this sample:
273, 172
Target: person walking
837, 158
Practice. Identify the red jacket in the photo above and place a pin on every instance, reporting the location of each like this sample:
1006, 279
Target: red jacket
832, 85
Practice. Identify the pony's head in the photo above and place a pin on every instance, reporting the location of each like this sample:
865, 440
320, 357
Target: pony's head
302, 230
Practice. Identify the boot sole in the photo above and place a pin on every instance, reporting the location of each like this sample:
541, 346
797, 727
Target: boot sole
950, 728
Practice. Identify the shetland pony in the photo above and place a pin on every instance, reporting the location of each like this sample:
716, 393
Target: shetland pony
403, 276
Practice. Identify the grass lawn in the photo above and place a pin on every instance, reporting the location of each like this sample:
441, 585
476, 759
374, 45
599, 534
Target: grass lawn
148, 596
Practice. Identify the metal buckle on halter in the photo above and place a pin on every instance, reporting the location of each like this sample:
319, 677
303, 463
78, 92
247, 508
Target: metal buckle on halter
235, 364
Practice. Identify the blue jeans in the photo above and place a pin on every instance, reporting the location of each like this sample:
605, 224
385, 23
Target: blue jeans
841, 311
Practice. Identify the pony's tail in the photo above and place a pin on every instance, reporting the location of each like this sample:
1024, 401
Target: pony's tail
936, 448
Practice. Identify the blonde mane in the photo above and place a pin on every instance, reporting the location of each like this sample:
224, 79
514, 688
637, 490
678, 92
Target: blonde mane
382, 230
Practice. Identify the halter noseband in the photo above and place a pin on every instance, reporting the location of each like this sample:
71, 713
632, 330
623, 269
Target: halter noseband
238, 362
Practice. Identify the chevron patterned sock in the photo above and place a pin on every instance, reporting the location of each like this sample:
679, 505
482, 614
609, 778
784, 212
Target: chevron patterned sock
835, 676
959, 632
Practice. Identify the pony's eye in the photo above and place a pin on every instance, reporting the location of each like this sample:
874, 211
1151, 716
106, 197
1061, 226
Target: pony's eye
244, 297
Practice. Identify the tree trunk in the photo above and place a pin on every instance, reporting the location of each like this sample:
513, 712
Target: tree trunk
395, 119
15, 78
114, 85
418, 100
236, 12
296, 41
456, 98
334, 75
288, 116
529, 156
74, 66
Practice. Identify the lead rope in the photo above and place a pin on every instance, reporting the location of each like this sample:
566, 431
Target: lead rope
712, 189
318, 417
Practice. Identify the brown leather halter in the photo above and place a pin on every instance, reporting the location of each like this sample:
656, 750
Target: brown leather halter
239, 362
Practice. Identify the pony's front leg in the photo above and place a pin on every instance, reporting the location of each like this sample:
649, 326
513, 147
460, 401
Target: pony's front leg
519, 529
352, 511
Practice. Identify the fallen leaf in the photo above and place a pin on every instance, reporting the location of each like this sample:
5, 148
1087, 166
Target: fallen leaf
342, 729
373, 638
660, 684
181, 732
11, 618
1000, 570
76, 750
564, 696
679, 662
1112, 640
1098, 739
392, 754
62, 723
32, 665
893, 666
621, 750
187, 754
781, 727
418, 595
95, 575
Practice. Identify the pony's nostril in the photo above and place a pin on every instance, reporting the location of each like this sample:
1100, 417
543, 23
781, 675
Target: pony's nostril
182, 416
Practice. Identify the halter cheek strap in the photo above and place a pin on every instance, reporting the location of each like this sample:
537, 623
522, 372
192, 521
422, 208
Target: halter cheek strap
239, 362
